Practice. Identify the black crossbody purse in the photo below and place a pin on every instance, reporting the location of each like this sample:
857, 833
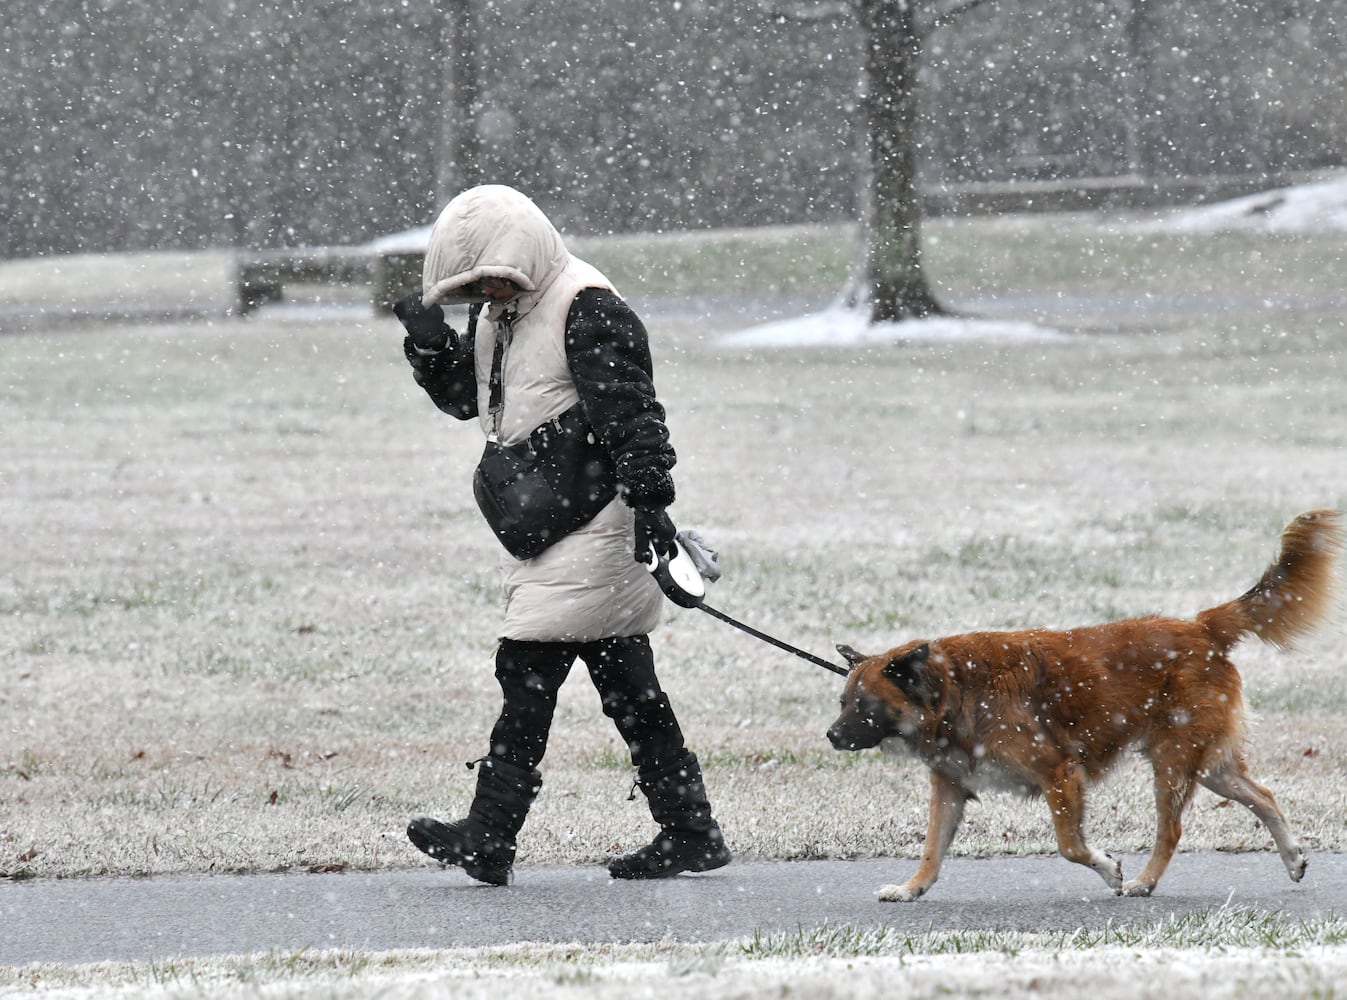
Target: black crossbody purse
536, 492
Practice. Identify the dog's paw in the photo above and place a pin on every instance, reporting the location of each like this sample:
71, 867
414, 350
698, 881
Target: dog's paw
897, 894
1296, 869
1109, 869
1133, 887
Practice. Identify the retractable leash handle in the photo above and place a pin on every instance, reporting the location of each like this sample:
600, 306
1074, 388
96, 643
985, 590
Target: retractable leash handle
678, 576
682, 583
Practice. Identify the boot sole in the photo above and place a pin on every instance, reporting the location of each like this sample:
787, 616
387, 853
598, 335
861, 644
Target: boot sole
693, 866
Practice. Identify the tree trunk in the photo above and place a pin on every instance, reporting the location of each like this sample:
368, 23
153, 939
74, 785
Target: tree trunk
1138, 88
460, 145
896, 282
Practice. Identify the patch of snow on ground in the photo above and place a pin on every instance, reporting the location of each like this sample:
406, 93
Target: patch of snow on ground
408, 241
1305, 208
845, 325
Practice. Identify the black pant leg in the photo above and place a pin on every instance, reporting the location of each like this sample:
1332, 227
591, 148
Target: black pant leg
530, 674
623, 671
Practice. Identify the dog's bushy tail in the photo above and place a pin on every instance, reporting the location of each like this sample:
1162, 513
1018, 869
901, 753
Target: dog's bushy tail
1294, 595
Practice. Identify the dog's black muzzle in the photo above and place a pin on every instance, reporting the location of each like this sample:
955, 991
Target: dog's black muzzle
850, 733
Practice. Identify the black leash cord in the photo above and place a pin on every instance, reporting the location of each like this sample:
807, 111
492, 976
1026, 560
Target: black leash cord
775, 642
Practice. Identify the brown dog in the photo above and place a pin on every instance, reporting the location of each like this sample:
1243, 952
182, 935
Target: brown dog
1043, 712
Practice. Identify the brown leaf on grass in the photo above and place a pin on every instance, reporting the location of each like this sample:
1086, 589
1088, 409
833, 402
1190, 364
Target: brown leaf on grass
138, 755
273, 798
30, 855
282, 755
1310, 752
305, 630
333, 866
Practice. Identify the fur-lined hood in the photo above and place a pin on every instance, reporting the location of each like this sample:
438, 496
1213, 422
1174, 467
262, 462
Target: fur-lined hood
491, 231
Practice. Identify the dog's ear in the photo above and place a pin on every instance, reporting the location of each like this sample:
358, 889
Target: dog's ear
913, 677
851, 656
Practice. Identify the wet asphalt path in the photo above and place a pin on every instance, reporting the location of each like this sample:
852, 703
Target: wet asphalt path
90, 920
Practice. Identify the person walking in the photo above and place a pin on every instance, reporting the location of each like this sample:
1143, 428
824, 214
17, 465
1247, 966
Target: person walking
559, 376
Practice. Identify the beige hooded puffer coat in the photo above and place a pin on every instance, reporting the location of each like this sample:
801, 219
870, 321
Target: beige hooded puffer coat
586, 586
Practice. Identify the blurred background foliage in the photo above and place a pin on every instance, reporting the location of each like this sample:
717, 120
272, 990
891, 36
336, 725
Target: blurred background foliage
271, 123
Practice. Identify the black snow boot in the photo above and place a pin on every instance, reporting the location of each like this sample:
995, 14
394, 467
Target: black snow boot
689, 839
483, 845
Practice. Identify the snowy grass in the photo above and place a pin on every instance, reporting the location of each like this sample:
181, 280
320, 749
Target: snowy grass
91, 280
1228, 953
247, 606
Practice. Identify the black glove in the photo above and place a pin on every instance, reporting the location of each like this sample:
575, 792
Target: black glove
425, 327
655, 534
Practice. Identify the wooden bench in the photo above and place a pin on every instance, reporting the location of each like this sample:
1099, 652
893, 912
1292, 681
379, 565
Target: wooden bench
260, 277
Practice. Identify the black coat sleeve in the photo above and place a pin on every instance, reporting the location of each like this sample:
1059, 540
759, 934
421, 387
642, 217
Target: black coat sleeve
608, 351
449, 377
